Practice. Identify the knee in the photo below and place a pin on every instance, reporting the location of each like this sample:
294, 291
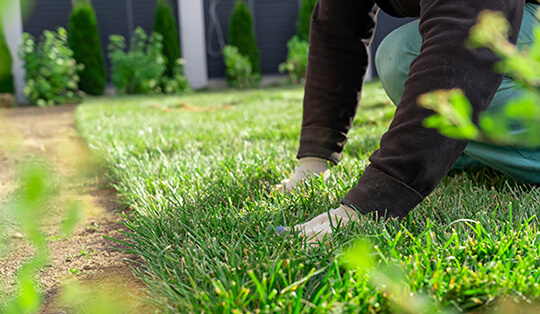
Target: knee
394, 56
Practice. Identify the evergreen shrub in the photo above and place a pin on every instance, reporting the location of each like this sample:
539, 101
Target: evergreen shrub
6, 61
241, 34
238, 69
165, 24
296, 63
304, 19
297, 57
177, 83
85, 42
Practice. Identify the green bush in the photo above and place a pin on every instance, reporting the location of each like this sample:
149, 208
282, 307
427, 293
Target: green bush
296, 63
51, 70
85, 42
297, 57
6, 78
165, 24
177, 83
238, 69
141, 69
304, 19
241, 34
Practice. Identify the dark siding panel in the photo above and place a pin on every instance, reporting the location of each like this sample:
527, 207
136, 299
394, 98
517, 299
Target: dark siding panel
175, 11
216, 68
275, 25
112, 20
112, 17
143, 14
48, 15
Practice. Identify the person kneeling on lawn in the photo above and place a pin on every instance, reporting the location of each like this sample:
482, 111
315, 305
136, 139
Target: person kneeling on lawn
425, 55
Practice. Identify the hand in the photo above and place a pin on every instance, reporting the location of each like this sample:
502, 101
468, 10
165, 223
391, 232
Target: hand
309, 167
315, 229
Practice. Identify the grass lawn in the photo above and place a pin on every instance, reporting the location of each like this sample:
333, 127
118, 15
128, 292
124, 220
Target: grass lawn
199, 172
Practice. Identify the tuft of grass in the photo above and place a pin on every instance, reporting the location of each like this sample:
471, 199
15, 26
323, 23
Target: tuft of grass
201, 186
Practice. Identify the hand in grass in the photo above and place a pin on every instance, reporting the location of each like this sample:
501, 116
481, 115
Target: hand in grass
309, 167
324, 224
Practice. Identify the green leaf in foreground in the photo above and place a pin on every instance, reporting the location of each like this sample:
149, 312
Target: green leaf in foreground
453, 114
33, 194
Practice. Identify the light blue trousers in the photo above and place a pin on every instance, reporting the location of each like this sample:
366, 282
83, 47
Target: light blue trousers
393, 59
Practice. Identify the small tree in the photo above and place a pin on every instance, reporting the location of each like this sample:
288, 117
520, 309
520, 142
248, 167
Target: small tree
241, 34
165, 24
298, 46
296, 63
304, 19
86, 45
239, 71
6, 61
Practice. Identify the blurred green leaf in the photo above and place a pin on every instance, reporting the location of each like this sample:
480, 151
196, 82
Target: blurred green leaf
523, 107
35, 190
453, 113
492, 27
461, 104
73, 216
358, 257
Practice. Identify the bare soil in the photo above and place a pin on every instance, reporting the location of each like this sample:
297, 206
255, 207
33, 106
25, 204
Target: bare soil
86, 257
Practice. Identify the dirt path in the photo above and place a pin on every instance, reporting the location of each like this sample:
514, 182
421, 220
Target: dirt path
86, 257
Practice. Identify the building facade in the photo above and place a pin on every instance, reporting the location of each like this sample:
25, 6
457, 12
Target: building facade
203, 26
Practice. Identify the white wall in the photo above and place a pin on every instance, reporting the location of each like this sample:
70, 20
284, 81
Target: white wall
13, 30
192, 41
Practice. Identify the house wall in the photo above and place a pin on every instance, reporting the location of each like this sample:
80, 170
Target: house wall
275, 24
119, 17
12, 23
192, 41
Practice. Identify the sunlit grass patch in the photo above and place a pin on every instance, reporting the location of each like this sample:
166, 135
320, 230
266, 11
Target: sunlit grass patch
200, 171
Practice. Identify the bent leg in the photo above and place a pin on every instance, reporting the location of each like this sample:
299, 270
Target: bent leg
393, 59
412, 159
521, 164
397, 51
340, 35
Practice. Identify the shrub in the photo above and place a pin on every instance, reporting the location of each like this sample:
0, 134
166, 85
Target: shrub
6, 77
177, 83
296, 63
238, 69
165, 24
85, 42
51, 70
139, 70
241, 34
304, 19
